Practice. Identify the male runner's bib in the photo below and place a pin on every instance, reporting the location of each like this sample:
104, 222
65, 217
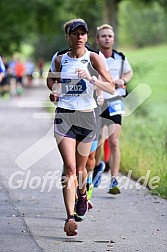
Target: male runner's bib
116, 106
115, 101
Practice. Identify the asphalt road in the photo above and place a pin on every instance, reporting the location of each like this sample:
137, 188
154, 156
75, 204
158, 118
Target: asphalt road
32, 212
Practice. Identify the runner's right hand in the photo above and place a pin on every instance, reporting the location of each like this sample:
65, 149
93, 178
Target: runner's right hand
54, 97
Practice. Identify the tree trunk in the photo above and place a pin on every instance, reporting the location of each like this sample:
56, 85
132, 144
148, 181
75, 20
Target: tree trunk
111, 16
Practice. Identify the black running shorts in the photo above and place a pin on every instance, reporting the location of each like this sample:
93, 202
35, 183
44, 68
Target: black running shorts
107, 119
78, 125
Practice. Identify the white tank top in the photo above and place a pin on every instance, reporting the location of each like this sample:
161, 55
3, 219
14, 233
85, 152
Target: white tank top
77, 94
115, 65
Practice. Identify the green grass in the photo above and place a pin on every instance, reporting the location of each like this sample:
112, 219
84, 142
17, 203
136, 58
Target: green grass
144, 133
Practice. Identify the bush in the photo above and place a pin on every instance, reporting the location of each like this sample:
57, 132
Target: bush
141, 25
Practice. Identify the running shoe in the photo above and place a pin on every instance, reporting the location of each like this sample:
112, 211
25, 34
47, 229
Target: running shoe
81, 218
82, 205
89, 187
70, 227
76, 217
107, 167
97, 173
90, 205
113, 188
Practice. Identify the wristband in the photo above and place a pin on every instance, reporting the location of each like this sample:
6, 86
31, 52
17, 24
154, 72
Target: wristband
93, 80
125, 82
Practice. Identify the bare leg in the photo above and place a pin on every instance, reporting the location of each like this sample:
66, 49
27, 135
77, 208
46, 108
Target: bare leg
81, 165
90, 164
99, 148
114, 159
68, 180
98, 155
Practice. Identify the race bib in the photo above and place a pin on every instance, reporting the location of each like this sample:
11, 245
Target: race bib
116, 107
73, 87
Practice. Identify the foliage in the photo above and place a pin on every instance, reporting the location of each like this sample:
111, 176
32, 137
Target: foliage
23, 21
88, 10
40, 22
149, 28
144, 136
15, 23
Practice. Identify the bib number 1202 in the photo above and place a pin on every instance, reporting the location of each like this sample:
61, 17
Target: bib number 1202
69, 87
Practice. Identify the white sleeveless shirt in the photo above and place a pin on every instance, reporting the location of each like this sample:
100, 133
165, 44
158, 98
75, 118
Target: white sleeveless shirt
115, 65
76, 94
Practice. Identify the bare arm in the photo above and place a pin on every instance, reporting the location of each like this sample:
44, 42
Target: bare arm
50, 80
53, 80
107, 83
127, 76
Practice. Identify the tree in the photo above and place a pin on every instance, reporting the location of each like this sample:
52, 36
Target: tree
111, 9
149, 28
15, 23
40, 22
111, 15
23, 21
